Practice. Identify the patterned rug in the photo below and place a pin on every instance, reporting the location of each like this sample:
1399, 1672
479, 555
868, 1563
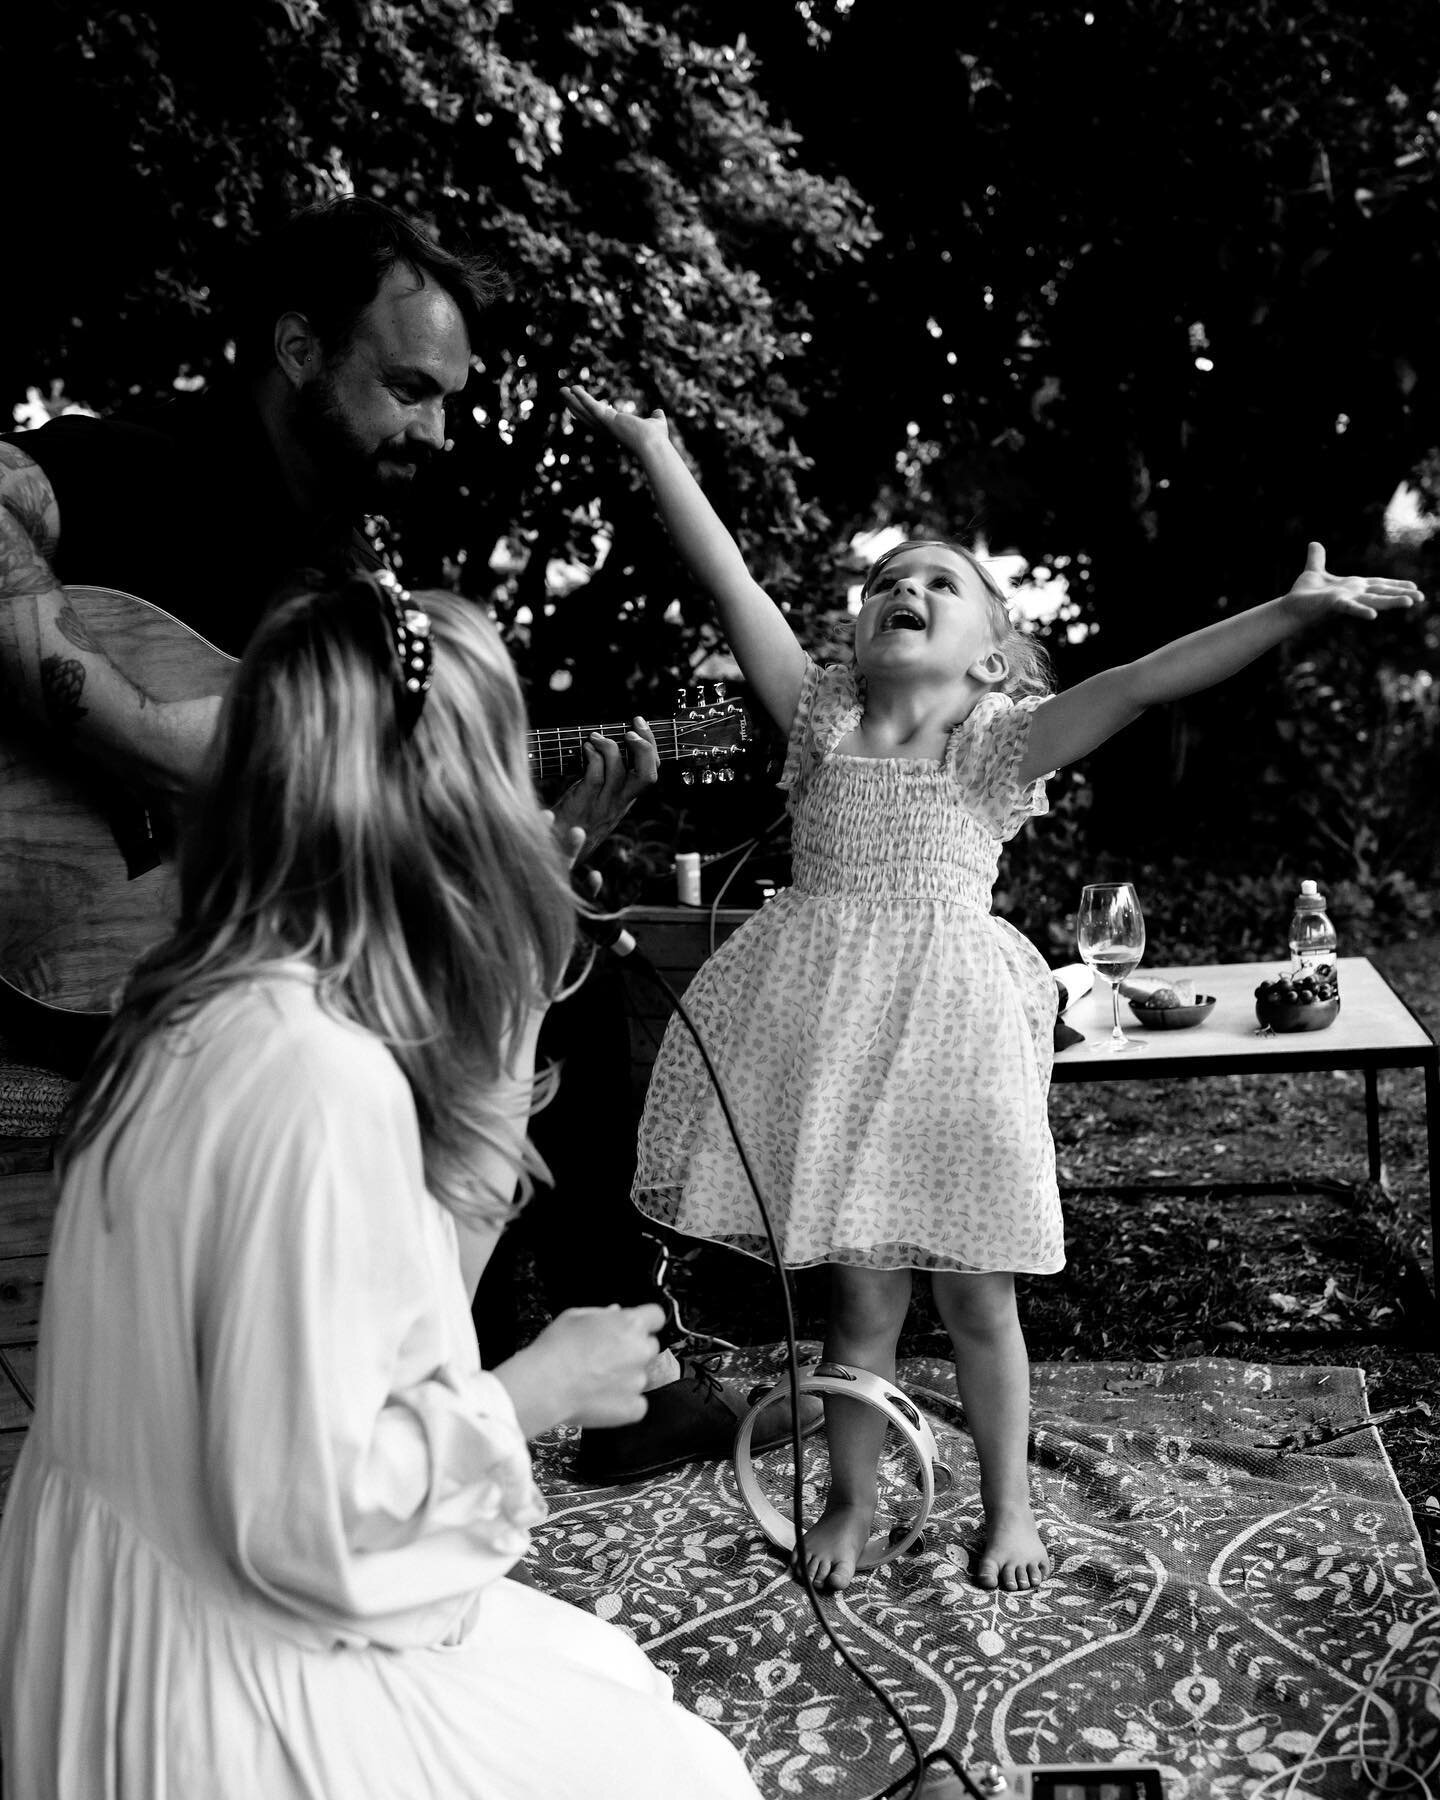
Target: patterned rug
1258, 1618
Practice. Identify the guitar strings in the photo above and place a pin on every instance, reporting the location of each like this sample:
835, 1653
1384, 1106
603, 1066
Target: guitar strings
567, 740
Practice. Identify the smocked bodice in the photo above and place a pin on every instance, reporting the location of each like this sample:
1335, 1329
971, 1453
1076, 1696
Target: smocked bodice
886, 829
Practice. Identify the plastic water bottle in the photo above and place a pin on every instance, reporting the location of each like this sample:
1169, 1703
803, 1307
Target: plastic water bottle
1312, 936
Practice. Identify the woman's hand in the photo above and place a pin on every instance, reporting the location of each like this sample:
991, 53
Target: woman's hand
587, 1367
628, 428
1317, 594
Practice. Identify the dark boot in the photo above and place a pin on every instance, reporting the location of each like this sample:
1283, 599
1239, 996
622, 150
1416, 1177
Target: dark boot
693, 1419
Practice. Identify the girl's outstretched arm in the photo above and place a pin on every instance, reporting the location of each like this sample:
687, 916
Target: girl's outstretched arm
1076, 721
764, 645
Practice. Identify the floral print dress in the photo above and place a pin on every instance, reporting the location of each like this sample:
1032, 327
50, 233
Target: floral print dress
884, 1041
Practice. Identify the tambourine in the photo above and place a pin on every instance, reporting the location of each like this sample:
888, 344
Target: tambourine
928, 1476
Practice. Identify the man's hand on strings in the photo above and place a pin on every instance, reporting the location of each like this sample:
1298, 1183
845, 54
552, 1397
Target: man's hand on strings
614, 778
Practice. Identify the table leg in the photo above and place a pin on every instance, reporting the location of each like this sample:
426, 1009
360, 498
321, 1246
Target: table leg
1432, 1138
1372, 1126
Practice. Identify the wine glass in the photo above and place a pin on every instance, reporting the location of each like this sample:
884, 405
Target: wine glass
1110, 933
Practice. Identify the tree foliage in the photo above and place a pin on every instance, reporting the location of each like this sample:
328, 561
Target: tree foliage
629, 180
1146, 291
1153, 302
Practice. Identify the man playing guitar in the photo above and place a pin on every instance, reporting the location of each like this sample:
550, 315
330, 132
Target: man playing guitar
352, 333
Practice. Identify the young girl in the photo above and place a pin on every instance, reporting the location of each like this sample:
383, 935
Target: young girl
255, 1540
885, 1042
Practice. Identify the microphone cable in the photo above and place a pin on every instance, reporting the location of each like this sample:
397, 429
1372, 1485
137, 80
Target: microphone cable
915, 1777
745, 851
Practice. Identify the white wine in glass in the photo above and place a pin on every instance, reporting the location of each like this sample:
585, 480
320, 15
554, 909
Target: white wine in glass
1110, 934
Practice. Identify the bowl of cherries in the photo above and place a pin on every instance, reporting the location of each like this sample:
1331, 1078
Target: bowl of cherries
1303, 1000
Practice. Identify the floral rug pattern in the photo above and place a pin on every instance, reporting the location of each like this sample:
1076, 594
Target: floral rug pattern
1239, 1594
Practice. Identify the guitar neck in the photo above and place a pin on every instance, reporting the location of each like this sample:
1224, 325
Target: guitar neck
555, 748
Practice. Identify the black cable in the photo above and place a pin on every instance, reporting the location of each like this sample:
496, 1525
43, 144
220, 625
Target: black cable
748, 843
916, 1776
746, 850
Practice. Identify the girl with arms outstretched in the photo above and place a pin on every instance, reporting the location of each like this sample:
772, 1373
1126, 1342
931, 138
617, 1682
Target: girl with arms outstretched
885, 1041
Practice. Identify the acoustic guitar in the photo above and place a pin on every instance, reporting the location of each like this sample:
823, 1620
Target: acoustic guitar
85, 887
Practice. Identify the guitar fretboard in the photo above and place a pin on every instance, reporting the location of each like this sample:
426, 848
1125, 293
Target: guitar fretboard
552, 748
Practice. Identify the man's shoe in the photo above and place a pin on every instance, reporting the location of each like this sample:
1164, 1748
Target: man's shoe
693, 1419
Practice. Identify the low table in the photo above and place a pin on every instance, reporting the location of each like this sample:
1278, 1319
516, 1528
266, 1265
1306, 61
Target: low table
1375, 1030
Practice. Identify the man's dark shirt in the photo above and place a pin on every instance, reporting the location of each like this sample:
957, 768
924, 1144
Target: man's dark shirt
185, 507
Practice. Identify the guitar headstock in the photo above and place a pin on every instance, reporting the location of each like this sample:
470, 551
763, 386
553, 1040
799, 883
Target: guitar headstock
710, 732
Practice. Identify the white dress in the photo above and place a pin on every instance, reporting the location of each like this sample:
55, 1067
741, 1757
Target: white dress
254, 1546
885, 1042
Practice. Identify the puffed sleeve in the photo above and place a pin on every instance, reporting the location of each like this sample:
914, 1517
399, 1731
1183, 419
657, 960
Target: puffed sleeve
363, 1471
985, 754
829, 707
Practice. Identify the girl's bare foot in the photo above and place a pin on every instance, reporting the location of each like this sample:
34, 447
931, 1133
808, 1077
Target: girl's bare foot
834, 1544
1014, 1558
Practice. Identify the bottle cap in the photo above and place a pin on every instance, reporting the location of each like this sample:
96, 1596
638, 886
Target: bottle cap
1309, 899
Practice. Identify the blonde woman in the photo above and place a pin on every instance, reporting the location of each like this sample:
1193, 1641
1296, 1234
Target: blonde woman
255, 1542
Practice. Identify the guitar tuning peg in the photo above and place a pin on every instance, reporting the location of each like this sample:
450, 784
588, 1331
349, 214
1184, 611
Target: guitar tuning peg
718, 689
706, 777
688, 777
725, 774
682, 697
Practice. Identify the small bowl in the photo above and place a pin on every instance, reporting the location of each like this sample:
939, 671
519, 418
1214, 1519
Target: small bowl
1173, 1018
1291, 1015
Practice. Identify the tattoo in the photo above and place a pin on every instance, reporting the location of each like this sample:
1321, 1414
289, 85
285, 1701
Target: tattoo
22, 569
62, 682
26, 494
75, 631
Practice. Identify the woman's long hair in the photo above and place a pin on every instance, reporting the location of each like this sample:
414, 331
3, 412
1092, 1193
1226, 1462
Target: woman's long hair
418, 876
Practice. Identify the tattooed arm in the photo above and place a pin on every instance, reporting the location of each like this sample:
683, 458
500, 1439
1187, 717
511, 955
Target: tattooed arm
52, 670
